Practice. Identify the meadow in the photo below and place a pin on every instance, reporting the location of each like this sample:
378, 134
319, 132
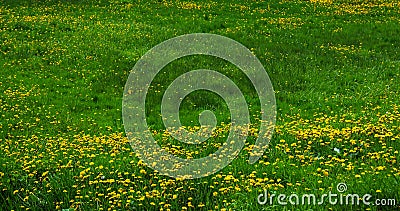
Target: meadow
334, 66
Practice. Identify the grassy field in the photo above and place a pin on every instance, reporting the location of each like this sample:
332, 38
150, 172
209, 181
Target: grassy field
334, 65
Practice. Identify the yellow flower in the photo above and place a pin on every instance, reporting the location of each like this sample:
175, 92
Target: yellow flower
45, 173
229, 177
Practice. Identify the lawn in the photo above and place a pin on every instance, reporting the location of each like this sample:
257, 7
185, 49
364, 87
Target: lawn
334, 66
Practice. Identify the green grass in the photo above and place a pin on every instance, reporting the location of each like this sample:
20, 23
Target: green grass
334, 67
